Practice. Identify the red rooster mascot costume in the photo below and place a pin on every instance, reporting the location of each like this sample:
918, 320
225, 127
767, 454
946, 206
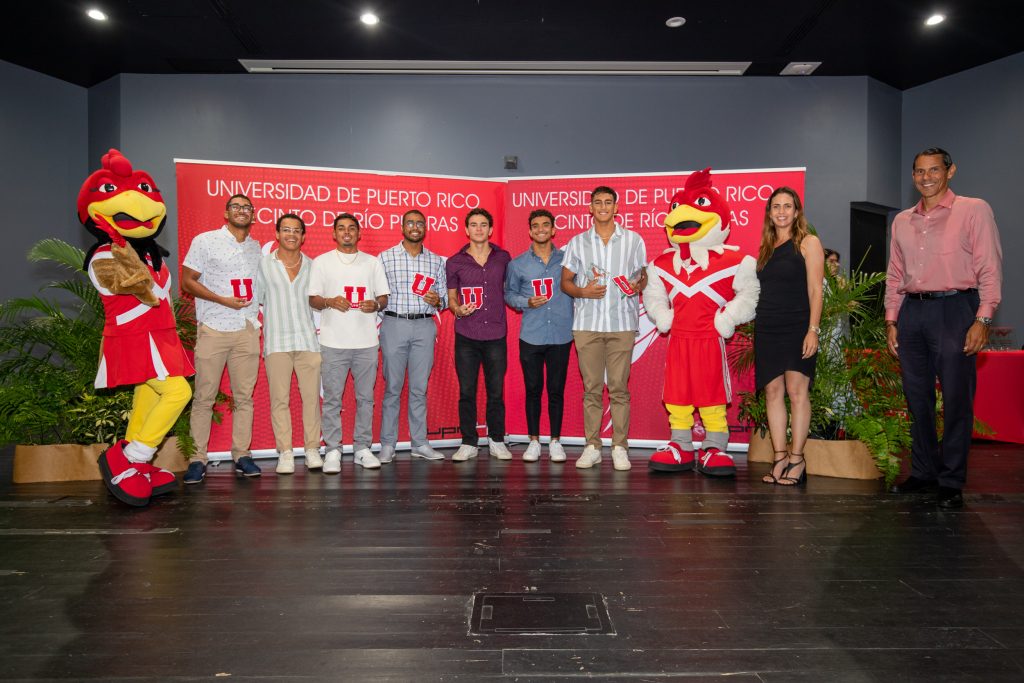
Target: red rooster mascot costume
698, 291
123, 208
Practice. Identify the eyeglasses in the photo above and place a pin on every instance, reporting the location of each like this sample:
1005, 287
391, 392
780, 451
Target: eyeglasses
240, 208
415, 224
290, 231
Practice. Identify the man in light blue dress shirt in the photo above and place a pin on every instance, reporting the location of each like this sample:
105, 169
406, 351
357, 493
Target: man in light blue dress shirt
533, 286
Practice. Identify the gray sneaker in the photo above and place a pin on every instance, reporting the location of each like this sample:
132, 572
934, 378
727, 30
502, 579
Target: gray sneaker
387, 453
427, 453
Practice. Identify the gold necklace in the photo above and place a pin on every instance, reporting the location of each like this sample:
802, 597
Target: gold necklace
297, 263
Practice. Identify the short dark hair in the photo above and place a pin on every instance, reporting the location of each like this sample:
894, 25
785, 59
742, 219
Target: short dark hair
412, 211
947, 160
604, 189
234, 197
348, 216
830, 252
281, 218
540, 213
480, 212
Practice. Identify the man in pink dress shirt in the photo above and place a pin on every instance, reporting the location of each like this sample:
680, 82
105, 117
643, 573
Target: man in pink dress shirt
941, 290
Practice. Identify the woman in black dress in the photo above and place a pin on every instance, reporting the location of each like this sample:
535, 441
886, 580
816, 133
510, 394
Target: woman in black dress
790, 268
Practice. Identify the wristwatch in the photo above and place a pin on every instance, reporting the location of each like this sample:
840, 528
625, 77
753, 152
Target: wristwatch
815, 330
987, 322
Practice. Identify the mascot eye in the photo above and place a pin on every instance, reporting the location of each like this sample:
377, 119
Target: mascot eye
108, 187
703, 201
675, 205
145, 187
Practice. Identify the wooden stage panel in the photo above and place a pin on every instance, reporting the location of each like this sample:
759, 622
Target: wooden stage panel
371, 576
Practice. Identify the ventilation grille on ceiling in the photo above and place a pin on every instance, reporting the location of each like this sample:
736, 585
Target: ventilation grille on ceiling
329, 66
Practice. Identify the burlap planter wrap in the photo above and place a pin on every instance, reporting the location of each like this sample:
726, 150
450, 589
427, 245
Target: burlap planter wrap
843, 459
71, 462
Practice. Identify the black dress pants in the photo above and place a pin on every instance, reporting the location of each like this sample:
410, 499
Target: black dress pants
535, 358
470, 355
931, 335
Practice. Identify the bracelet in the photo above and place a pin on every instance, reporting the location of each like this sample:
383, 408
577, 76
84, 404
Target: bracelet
815, 330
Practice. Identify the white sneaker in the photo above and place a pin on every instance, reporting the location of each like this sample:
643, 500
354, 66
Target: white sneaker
332, 461
465, 452
499, 450
620, 459
591, 456
366, 458
286, 463
556, 451
313, 459
532, 453
427, 453
387, 453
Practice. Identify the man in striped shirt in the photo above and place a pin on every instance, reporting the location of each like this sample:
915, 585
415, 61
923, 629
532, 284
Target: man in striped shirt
407, 334
289, 342
603, 269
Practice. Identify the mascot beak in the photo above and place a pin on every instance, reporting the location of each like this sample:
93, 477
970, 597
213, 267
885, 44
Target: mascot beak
687, 224
131, 214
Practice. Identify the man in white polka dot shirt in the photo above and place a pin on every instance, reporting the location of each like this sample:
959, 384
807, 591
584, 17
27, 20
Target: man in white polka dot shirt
220, 272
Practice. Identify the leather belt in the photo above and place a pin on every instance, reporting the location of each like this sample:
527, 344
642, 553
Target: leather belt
409, 316
939, 295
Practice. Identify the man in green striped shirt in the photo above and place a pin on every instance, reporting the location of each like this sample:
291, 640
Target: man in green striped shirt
289, 342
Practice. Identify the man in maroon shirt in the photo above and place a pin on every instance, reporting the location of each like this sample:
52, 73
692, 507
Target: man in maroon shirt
942, 288
476, 295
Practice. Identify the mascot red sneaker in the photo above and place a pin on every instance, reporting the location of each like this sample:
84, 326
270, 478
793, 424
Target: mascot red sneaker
698, 291
123, 208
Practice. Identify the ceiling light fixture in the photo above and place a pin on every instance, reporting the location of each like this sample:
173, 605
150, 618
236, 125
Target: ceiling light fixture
265, 66
799, 68
675, 22
97, 15
369, 18
935, 20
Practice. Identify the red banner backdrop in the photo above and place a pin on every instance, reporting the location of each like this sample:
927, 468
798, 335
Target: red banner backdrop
380, 199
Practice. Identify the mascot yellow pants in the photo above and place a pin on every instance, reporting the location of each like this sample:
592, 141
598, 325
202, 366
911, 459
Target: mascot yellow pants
713, 417
155, 409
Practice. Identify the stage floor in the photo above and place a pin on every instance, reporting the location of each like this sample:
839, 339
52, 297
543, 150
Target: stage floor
370, 575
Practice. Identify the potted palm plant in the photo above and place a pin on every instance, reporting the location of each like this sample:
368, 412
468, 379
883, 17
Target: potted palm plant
48, 355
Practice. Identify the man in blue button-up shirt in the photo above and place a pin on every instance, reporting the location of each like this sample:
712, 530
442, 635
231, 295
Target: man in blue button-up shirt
533, 286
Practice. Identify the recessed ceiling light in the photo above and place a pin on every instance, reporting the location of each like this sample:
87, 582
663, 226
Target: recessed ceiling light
799, 68
935, 19
96, 14
369, 18
675, 22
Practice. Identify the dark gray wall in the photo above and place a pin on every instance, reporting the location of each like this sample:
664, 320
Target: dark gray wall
837, 127
978, 117
43, 134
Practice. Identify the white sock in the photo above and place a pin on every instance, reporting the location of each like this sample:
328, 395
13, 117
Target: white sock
139, 452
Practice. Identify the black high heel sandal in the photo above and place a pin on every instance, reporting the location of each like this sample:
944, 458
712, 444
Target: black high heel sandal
787, 480
770, 478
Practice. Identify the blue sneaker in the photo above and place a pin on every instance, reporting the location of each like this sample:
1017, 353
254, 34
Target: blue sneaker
195, 473
245, 467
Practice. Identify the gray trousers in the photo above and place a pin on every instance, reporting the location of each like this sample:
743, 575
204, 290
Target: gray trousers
334, 370
406, 345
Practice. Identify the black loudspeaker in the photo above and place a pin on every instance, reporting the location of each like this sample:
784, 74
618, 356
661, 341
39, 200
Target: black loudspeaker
869, 241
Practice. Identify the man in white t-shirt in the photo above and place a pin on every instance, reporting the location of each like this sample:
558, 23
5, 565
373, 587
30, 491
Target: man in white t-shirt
349, 287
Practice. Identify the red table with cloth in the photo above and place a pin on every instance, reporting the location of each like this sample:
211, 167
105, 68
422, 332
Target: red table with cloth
999, 400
